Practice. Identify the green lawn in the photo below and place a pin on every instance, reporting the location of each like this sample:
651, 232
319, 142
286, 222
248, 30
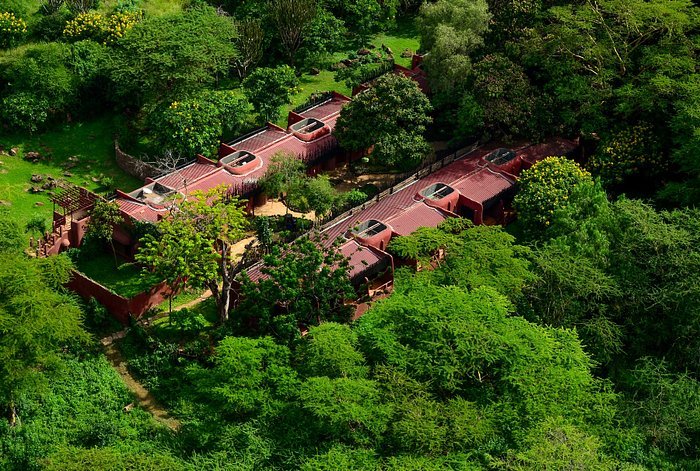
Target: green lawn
182, 298
90, 142
149, 7
404, 36
126, 280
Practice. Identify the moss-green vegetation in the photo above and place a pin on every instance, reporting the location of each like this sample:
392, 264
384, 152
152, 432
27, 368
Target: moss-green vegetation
84, 403
81, 153
126, 280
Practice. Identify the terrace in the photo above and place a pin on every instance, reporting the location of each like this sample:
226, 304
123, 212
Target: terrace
154, 194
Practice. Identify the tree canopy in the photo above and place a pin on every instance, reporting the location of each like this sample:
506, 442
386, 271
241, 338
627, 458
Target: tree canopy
391, 116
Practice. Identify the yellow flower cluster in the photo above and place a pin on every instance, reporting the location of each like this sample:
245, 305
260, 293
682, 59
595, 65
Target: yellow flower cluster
11, 27
93, 25
632, 152
87, 25
118, 24
546, 187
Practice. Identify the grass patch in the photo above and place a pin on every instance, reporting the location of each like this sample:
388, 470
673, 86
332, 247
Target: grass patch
404, 36
168, 331
90, 142
183, 298
149, 7
126, 280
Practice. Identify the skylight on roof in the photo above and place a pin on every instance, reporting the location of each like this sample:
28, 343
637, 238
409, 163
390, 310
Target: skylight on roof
155, 193
437, 191
500, 156
369, 228
238, 159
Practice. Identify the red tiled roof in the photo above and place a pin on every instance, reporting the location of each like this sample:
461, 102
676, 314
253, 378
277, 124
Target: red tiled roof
417, 216
261, 140
361, 258
483, 185
177, 179
220, 176
324, 110
139, 211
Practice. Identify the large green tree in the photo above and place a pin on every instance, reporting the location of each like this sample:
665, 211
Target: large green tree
37, 321
28, 103
391, 116
462, 343
304, 284
268, 89
195, 243
168, 57
292, 18
546, 188
451, 31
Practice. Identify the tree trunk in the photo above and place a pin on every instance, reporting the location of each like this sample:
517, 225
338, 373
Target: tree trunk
227, 274
224, 305
14, 420
114, 252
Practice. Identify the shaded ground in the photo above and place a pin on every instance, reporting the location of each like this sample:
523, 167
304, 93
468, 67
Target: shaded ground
277, 208
348, 180
143, 396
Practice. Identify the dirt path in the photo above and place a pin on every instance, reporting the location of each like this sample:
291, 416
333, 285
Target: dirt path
143, 395
194, 302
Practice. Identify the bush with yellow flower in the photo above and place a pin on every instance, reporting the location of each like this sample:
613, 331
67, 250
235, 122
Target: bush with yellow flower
545, 188
195, 124
12, 29
105, 29
633, 153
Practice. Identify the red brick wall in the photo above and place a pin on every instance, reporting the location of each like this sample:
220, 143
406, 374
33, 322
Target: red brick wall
118, 306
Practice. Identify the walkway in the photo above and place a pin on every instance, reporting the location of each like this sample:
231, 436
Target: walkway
143, 395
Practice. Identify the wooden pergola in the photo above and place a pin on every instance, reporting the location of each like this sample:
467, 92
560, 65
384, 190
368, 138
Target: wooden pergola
71, 198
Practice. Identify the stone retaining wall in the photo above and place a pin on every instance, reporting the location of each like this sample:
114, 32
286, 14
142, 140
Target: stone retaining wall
133, 166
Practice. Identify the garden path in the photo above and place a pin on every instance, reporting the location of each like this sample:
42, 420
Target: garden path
143, 395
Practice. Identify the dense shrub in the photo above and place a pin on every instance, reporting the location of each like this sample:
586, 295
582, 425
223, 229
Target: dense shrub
631, 154
24, 110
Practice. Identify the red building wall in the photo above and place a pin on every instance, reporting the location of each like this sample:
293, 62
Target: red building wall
118, 306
